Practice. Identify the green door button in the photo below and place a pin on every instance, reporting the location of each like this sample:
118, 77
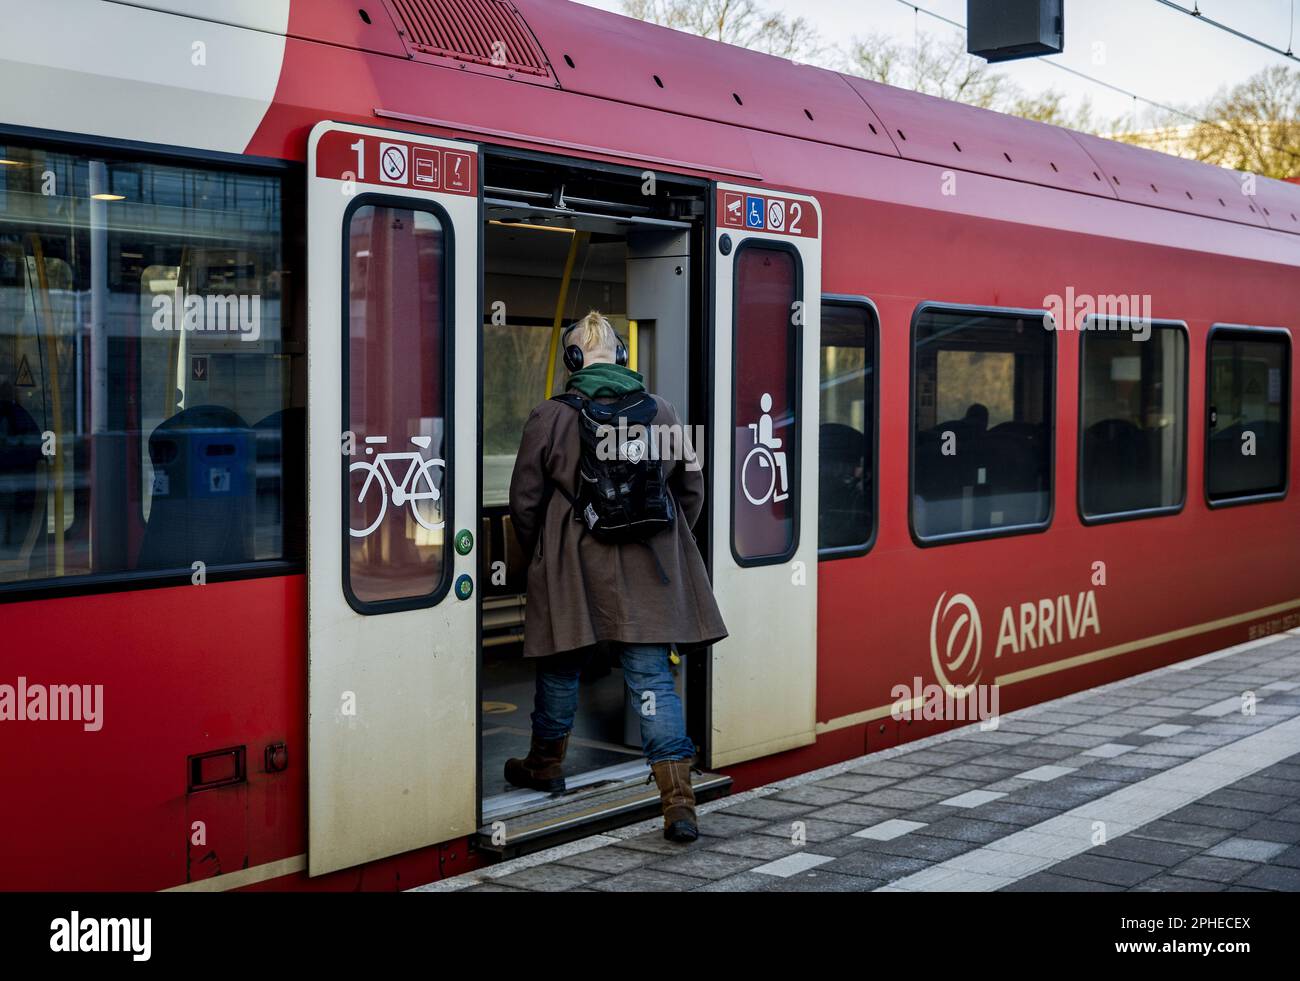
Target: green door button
464, 587
464, 541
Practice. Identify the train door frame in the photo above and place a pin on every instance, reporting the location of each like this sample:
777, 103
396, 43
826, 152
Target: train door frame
691, 225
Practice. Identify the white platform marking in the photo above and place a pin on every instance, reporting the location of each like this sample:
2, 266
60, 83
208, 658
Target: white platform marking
1164, 729
889, 830
793, 864
1221, 708
972, 798
1023, 853
1109, 750
1049, 771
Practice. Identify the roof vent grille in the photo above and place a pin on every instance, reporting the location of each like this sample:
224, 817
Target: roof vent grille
482, 32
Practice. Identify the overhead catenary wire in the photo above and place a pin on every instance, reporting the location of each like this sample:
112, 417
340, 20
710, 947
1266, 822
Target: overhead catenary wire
1065, 68
1097, 81
1196, 12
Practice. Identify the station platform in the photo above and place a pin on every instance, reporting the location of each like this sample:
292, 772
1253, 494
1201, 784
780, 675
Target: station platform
1182, 779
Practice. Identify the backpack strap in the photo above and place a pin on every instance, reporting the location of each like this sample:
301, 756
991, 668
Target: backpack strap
571, 399
573, 501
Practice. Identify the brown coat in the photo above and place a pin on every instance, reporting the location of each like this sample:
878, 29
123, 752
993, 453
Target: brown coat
624, 598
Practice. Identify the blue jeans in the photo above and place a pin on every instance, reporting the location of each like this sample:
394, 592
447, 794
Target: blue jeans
645, 670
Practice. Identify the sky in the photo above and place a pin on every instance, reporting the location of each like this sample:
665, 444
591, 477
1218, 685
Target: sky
1138, 45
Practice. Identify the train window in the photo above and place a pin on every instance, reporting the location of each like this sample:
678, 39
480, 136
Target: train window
1248, 388
1132, 418
983, 400
765, 392
395, 404
846, 440
147, 351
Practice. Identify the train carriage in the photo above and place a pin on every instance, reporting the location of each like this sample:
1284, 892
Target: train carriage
984, 407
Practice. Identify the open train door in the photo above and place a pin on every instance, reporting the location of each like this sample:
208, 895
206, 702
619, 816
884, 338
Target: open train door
393, 243
767, 288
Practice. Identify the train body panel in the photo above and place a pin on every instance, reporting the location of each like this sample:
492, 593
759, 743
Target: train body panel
920, 201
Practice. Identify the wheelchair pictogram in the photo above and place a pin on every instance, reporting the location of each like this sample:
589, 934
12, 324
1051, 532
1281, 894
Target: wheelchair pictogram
420, 484
768, 459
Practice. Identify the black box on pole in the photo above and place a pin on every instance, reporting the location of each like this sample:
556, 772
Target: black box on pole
1003, 30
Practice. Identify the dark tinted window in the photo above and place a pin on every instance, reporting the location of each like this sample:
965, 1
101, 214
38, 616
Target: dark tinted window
1248, 397
982, 432
147, 355
765, 455
845, 442
396, 406
1133, 406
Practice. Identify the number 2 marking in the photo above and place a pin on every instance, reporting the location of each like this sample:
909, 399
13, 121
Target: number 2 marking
796, 215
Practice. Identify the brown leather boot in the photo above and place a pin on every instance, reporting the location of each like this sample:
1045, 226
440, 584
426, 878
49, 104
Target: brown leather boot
540, 769
677, 799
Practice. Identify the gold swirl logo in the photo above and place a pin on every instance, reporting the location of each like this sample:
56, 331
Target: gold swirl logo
957, 664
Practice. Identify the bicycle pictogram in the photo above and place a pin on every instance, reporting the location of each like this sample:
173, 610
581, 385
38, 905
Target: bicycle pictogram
420, 484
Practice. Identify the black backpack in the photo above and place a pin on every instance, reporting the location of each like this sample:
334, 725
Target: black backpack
624, 498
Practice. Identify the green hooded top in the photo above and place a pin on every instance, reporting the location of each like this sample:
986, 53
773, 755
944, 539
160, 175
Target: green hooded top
604, 379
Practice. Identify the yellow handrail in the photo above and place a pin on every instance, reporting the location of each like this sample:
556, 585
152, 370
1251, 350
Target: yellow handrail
631, 344
579, 238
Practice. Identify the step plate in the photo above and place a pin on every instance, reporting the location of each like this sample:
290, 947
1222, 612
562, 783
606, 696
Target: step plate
567, 817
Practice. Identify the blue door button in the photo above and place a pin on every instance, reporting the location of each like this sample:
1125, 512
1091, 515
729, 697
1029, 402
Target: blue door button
464, 587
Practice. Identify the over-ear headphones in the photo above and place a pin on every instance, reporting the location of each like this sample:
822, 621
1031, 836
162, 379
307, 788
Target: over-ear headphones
573, 353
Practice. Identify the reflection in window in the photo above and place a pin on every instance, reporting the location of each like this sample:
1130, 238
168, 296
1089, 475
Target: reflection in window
845, 457
396, 405
1134, 426
765, 454
1249, 391
982, 432
147, 353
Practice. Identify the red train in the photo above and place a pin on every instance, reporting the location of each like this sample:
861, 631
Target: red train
982, 404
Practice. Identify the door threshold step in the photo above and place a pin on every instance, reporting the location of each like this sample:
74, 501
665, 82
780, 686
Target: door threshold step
570, 816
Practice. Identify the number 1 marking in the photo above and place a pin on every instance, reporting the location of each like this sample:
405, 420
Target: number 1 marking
360, 147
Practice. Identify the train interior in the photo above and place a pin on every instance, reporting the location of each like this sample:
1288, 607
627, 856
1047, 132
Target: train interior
560, 241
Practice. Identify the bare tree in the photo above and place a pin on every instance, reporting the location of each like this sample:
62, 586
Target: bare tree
1049, 107
740, 22
942, 68
1254, 126
934, 67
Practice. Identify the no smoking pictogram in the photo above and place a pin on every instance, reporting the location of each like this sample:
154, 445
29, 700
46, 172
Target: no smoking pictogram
392, 163
776, 215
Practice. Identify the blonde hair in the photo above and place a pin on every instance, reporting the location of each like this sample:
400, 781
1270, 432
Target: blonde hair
595, 335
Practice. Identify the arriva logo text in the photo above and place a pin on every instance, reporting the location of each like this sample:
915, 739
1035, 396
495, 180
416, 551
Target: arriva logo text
957, 632
1049, 621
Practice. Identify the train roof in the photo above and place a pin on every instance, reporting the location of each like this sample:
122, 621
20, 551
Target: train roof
619, 60
627, 60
